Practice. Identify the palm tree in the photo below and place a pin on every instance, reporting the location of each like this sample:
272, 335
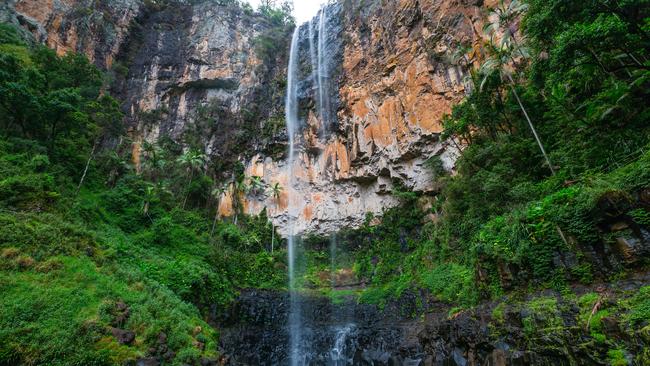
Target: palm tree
154, 161
505, 21
217, 193
275, 191
504, 55
239, 188
192, 160
461, 60
256, 185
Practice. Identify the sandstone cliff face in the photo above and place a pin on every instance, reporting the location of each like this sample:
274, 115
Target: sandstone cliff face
94, 28
393, 79
194, 73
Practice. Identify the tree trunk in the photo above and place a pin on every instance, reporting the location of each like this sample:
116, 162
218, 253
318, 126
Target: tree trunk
272, 236
188, 187
532, 127
214, 223
90, 158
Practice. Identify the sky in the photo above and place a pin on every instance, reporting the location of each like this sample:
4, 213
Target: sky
304, 10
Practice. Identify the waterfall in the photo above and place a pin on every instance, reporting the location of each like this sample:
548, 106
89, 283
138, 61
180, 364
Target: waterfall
338, 352
313, 52
291, 116
320, 56
323, 74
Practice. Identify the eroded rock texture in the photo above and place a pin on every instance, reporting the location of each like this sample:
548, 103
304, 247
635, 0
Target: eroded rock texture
196, 73
393, 78
94, 28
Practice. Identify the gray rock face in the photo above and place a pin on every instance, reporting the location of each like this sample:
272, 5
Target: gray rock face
254, 332
194, 71
416, 330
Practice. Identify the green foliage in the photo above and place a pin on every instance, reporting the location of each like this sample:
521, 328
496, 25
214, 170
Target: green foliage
451, 282
640, 308
498, 313
269, 44
9, 35
69, 255
617, 357
577, 74
543, 315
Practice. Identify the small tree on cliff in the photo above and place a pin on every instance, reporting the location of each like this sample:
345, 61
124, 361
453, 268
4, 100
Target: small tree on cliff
256, 185
240, 188
107, 122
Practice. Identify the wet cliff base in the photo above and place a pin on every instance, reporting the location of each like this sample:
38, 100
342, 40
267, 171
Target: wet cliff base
595, 325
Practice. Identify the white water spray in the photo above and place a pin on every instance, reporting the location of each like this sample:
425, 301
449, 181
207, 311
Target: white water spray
338, 352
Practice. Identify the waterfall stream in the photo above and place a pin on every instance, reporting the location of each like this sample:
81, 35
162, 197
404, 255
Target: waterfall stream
291, 116
323, 74
338, 354
319, 56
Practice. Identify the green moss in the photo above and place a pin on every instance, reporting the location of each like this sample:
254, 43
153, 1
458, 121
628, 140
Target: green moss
340, 297
498, 313
544, 316
616, 357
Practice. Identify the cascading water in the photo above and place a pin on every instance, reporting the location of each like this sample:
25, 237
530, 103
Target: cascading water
338, 353
322, 69
291, 116
320, 55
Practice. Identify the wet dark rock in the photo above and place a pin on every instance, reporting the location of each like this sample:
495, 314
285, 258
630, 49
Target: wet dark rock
169, 355
149, 361
208, 362
254, 331
123, 336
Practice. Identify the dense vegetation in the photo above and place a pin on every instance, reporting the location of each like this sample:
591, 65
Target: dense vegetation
90, 249
520, 212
